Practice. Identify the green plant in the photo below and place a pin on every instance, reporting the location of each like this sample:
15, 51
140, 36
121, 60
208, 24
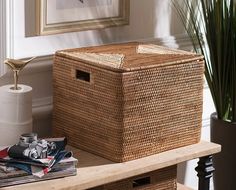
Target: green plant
211, 25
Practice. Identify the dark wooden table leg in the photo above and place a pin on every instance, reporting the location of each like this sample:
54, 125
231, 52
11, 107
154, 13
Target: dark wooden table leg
205, 171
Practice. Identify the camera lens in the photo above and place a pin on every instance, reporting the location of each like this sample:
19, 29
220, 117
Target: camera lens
33, 154
28, 138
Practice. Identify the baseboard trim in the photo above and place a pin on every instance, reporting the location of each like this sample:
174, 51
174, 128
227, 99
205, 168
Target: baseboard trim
40, 64
42, 107
206, 122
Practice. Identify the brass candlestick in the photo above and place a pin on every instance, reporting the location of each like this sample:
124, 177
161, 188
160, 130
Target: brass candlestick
16, 66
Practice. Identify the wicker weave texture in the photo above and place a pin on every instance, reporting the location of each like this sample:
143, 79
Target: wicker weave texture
128, 115
163, 179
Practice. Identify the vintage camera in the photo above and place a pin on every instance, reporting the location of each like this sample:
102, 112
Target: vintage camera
30, 146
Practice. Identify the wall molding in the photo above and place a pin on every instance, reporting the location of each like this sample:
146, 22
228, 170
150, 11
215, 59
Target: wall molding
44, 63
10, 28
6, 32
42, 107
179, 41
206, 122
2, 34
40, 64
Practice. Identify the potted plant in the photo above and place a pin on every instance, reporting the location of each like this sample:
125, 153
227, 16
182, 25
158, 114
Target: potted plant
211, 25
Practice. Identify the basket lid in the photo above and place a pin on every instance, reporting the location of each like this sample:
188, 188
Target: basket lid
129, 56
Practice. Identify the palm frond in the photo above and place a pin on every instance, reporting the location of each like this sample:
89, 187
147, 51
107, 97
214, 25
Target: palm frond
211, 26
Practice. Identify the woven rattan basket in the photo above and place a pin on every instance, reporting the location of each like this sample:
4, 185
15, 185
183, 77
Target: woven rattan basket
163, 179
127, 101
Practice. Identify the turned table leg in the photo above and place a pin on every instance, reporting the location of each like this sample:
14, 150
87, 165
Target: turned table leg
205, 171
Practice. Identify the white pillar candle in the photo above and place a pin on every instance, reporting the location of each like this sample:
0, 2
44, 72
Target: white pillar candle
15, 113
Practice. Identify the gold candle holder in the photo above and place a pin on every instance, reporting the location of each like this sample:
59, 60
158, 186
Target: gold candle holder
16, 66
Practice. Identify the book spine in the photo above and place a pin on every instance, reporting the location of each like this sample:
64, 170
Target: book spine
31, 178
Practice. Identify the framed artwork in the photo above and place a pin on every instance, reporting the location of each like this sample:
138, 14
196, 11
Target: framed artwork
60, 16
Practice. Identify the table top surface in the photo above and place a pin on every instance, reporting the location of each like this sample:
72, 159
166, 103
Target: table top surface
94, 171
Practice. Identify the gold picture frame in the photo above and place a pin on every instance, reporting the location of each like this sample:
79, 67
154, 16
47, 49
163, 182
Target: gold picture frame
45, 28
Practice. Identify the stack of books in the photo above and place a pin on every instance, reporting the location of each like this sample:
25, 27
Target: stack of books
11, 176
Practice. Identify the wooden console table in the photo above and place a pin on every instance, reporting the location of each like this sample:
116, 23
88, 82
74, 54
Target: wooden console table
94, 171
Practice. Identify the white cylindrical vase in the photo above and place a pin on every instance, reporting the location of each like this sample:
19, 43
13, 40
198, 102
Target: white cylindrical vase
15, 113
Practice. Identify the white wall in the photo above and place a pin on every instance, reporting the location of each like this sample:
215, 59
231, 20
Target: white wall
149, 20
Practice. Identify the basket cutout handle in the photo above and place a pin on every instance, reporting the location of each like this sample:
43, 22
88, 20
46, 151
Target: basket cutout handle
82, 75
141, 182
